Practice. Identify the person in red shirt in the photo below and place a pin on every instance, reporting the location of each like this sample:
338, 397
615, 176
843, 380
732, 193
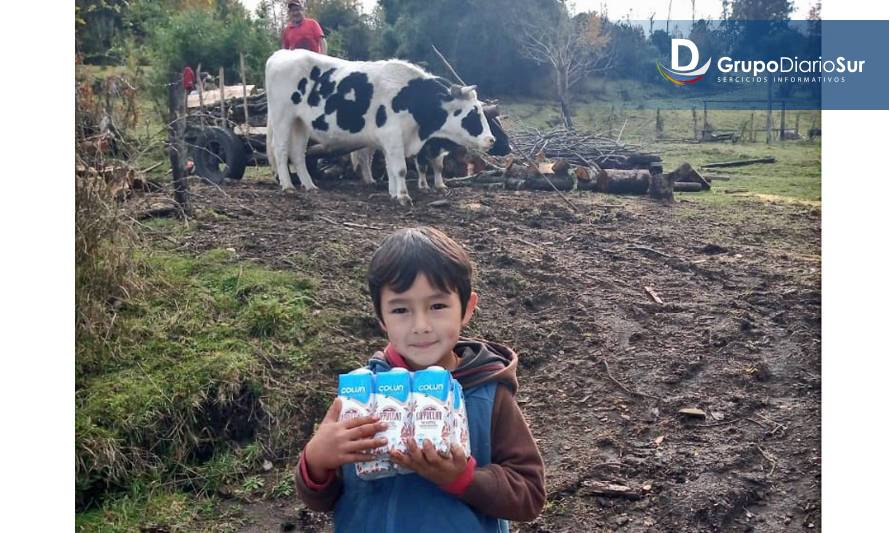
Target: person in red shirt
188, 79
302, 32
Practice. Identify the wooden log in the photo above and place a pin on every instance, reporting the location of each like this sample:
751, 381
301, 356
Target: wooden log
716, 177
685, 186
561, 168
685, 173
662, 187
617, 181
563, 183
739, 163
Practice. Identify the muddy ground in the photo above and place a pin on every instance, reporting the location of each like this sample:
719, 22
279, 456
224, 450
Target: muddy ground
604, 368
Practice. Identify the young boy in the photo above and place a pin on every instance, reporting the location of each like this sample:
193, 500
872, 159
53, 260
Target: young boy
420, 283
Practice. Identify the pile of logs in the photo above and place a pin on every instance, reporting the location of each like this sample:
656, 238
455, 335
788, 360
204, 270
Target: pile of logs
581, 148
234, 105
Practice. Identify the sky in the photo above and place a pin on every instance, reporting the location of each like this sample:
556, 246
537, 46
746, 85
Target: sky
638, 9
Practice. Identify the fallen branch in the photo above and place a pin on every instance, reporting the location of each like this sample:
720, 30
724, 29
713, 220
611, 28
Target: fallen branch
740, 162
621, 386
654, 295
610, 490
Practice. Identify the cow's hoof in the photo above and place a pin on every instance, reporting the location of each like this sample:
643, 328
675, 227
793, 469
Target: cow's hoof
312, 189
290, 191
405, 200
442, 188
423, 187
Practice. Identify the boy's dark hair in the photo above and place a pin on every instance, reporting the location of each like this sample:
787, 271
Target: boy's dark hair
422, 250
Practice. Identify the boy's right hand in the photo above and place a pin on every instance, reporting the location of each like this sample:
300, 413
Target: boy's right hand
337, 443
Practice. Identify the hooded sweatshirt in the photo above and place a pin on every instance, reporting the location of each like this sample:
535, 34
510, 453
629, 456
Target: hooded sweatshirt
511, 487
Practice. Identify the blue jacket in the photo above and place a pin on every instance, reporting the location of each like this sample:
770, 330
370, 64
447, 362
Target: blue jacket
410, 502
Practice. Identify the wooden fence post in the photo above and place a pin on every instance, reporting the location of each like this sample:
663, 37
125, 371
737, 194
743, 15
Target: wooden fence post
244, 94
200, 86
782, 123
176, 143
222, 97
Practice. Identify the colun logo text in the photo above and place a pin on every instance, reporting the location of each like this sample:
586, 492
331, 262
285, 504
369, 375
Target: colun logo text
352, 390
438, 387
391, 388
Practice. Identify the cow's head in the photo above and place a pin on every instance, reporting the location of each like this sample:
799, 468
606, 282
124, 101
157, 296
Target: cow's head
453, 113
467, 124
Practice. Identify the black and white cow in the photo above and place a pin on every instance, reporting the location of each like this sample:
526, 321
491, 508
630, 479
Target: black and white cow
391, 105
430, 160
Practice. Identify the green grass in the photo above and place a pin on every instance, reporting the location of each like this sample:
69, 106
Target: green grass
162, 509
216, 357
796, 176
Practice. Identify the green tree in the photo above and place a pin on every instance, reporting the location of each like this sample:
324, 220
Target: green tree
213, 38
761, 9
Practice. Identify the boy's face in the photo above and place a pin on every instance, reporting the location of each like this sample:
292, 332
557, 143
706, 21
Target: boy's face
423, 323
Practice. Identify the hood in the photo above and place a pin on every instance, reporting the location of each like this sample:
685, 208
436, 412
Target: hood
481, 362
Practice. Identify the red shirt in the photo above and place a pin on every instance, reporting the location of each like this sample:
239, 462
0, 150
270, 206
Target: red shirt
307, 34
188, 78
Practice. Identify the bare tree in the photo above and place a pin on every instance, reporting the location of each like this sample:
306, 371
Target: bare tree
574, 47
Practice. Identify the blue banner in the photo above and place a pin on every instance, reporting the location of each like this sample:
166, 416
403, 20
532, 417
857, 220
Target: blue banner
800, 64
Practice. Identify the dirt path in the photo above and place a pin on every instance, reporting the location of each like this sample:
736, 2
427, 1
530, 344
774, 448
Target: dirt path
738, 336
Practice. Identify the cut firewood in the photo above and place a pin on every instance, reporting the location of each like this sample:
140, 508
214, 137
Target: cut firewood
582, 174
739, 163
716, 177
685, 173
213, 96
561, 168
545, 168
693, 412
687, 187
624, 181
662, 187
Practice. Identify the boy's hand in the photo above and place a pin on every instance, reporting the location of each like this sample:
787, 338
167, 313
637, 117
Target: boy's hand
337, 443
430, 464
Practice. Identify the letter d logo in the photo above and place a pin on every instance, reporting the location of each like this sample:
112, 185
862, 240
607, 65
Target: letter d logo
675, 55
683, 74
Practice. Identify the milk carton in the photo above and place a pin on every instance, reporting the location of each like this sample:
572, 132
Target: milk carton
432, 410
356, 392
392, 391
461, 433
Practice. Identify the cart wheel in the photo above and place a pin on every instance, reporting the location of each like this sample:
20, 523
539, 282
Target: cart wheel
219, 154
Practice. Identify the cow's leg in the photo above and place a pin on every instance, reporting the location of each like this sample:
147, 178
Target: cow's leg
278, 148
438, 165
361, 160
299, 140
396, 170
421, 176
270, 150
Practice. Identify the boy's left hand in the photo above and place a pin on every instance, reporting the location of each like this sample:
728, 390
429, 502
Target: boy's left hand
428, 463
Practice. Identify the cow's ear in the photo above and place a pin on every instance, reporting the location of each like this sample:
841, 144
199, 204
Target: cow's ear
465, 91
456, 91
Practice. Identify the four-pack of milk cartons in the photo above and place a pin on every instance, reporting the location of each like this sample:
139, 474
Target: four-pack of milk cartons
423, 405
